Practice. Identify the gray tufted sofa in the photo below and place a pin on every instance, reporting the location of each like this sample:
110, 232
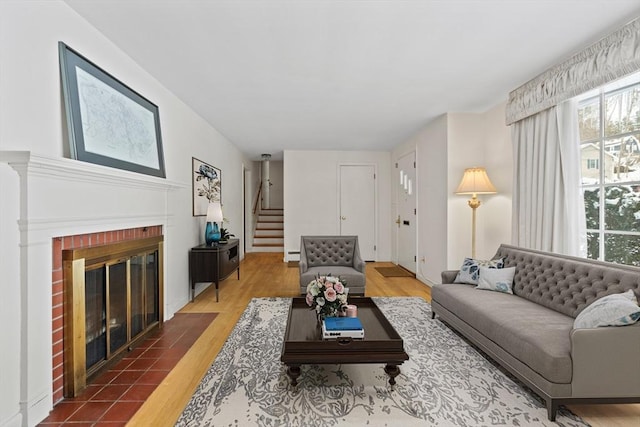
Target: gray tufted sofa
531, 332
335, 255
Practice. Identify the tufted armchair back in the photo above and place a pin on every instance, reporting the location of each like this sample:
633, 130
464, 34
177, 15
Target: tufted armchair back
563, 283
335, 255
330, 250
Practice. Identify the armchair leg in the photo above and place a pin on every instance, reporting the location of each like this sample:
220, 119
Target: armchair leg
433, 314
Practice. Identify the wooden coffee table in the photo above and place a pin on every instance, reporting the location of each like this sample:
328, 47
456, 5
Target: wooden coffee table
303, 343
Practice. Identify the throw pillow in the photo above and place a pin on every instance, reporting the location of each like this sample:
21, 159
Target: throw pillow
469, 272
612, 310
496, 279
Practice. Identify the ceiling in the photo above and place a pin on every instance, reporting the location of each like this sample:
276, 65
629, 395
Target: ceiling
346, 75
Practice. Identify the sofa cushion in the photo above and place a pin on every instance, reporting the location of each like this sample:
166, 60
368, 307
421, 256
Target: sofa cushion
470, 269
348, 274
496, 279
531, 333
612, 310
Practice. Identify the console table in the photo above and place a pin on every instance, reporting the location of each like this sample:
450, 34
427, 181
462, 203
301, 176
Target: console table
213, 263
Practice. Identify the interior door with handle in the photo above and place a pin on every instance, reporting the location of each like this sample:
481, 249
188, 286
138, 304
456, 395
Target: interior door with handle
358, 208
406, 220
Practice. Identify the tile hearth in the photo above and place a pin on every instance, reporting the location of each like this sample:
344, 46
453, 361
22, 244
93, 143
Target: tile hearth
115, 396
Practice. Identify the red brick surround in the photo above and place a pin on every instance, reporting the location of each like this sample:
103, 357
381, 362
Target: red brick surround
74, 242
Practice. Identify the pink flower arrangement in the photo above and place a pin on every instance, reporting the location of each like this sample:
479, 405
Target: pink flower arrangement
327, 295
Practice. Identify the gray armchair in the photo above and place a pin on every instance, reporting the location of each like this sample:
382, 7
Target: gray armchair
335, 255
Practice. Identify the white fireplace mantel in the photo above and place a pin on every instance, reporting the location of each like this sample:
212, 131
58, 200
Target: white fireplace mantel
63, 168
60, 197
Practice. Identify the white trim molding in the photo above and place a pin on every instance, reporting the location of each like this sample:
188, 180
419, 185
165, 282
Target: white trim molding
62, 168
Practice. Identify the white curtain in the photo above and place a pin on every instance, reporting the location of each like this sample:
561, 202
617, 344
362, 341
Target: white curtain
548, 206
612, 57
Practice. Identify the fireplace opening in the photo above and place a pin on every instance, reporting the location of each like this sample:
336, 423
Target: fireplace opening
113, 300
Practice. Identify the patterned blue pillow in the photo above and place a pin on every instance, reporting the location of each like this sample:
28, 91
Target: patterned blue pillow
612, 310
496, 279
470, 270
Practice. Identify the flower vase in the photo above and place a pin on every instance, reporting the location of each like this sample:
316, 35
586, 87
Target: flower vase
330, 312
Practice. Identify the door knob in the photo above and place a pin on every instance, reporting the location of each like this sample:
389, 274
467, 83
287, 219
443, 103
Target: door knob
343, 217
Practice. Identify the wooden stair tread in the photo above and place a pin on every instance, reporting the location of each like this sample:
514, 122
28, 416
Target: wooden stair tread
270, 221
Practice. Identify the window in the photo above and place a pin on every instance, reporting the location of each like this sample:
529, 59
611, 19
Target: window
609, 122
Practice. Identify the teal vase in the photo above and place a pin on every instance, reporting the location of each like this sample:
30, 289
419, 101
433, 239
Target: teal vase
212, 233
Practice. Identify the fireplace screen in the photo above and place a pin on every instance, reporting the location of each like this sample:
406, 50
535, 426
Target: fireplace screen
113, 301
96, 315
152, 292
118, 321
144, 292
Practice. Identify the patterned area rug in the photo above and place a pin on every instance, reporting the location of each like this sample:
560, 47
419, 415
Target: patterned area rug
446, 382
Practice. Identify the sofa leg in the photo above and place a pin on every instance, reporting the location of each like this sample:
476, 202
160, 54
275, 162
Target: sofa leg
433, 314
552, 408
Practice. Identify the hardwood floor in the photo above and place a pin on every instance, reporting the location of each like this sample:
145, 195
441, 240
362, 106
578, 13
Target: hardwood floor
266, 275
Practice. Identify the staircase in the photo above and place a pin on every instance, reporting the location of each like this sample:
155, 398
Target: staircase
269, 233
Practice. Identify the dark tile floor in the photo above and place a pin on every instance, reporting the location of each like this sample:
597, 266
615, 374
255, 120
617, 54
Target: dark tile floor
115, 396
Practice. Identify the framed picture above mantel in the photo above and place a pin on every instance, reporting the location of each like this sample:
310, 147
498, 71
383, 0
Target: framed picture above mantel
108, 123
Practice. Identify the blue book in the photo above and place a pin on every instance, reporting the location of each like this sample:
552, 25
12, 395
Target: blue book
342, 324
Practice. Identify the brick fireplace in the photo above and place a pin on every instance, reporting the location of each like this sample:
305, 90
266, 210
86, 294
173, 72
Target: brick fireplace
76, 242
60, 206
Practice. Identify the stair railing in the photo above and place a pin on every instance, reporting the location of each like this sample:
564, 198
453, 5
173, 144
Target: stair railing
256, 203
256, 213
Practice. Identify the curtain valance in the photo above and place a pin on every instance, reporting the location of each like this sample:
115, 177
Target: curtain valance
612, 57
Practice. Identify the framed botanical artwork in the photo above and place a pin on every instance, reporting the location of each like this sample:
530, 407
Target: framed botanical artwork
207, 186
108, 122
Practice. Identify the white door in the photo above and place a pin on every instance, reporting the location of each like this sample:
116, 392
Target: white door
358, 207
406, 219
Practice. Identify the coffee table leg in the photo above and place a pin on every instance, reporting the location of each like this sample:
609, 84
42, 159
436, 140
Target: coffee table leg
393, 371
293, 372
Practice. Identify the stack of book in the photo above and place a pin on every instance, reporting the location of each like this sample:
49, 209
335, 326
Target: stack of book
339, 327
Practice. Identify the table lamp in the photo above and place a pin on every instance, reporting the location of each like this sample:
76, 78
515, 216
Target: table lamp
212, 230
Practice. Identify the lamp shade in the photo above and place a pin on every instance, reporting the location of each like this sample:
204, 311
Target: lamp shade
214, 212
475, 181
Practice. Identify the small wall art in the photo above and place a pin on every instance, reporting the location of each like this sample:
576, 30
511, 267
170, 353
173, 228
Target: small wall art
207, 186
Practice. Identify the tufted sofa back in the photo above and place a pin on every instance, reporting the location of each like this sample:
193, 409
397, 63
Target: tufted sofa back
329, 251
563, 283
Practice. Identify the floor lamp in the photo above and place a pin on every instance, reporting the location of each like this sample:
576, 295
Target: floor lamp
475, 181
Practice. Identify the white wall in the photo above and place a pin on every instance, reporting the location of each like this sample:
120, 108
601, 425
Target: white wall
430, 145
31, 120
465, 150
479, 140
444, 148
498, 160
311, 196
